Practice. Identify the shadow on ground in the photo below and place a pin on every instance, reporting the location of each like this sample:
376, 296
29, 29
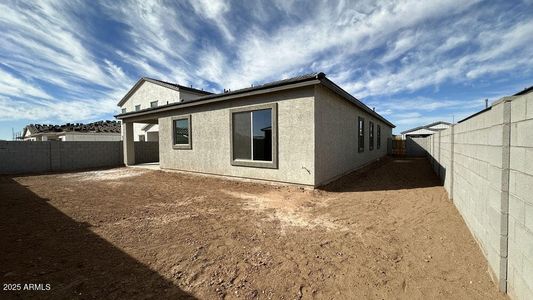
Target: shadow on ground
388, 174
41, 245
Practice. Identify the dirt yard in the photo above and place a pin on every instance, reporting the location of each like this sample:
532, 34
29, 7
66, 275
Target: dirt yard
386, 232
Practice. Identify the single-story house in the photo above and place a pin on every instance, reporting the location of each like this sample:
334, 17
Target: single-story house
97, 131
425, 130
304, 130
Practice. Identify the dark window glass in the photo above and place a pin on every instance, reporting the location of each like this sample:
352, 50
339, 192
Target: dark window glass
242, 129
378, 143
181, 132
153, 104
361, 134
262, 128
370, 136
123, 110
252, 135
137, 107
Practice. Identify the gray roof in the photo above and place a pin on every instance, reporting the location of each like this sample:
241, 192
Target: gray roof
426, 127
320, 78
524, 91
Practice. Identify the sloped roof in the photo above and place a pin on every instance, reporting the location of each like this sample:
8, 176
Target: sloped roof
318, 78
426, 127
166, 84
95, 127
525, 91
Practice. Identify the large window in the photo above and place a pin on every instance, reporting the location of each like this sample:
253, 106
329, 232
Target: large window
253, 136
370, 135
361, 134
378, 143
181, 131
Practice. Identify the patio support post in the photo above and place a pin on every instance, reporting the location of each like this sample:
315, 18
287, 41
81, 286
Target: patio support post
128, 143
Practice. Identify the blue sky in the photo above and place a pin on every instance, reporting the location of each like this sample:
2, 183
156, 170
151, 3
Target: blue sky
414, 61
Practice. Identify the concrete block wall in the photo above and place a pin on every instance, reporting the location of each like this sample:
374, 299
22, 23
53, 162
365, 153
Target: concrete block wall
17, 157
520, 263
415, 146
24, 157
486, 164
85, 155
445, 161
146, 152
477, 190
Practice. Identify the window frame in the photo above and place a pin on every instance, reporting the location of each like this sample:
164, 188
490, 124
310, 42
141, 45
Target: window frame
173, 128
137, 107
370, 135
123, 110
273, 164
360, 135
378, 136
152, 104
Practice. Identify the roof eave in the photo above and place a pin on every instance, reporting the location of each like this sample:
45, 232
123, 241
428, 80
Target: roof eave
218, 97
319, 78
337, 89
138, 84
160, 83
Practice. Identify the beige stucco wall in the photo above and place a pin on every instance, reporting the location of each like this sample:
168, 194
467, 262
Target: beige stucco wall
336, 150
149, 92
317, 137
211, 153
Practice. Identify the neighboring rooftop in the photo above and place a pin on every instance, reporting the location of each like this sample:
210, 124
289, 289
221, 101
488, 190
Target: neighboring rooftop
186, 88
228, 94
170, 85
522, 92
430, 127
95, 127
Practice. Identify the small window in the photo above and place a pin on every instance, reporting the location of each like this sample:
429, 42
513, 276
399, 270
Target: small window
153, 104
142, 138
181, 131
137, 107
370, 135
123, 110
378, 142
253, 136
361, 134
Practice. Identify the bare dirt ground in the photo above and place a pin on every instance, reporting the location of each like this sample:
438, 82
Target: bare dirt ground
386, 232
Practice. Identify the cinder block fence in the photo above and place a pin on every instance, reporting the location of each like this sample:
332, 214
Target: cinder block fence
51, 156
486, 165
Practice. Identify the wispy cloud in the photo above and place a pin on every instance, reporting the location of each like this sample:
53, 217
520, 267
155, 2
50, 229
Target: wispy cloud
412, 60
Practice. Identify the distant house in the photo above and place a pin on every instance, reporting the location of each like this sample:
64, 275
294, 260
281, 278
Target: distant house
426, 130
170, 93
97, 131
304, 130
146, 132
